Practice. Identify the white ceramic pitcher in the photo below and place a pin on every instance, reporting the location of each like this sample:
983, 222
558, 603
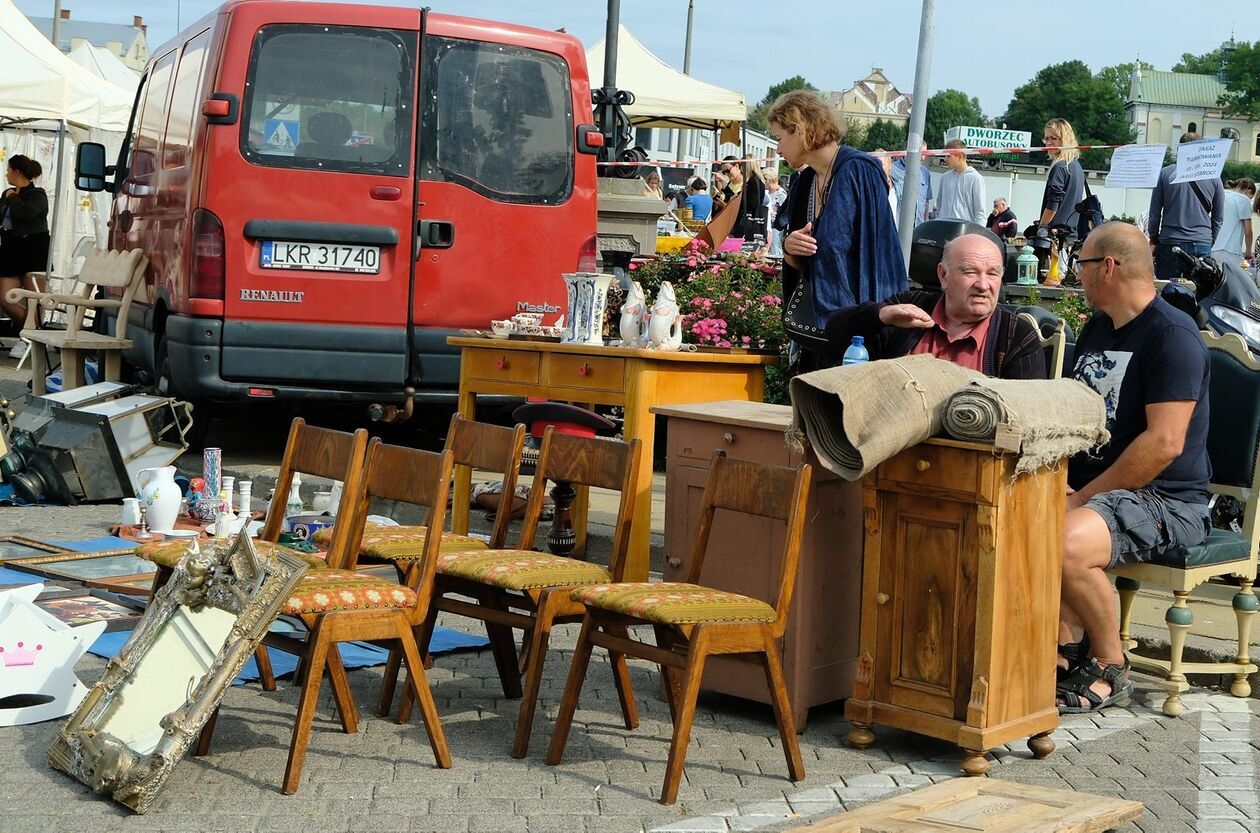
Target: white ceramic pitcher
160, 495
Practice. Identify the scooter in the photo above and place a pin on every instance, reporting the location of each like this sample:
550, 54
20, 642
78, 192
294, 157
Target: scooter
1226, 300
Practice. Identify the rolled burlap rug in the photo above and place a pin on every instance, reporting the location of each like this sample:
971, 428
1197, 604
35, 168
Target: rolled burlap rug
858, 416
1043, 420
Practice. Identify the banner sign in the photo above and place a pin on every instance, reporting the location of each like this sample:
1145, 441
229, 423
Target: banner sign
989, 137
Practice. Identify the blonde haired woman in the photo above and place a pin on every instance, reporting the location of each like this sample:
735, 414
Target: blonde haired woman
1065, 186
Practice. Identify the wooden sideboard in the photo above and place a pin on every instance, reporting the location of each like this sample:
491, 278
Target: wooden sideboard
820, 646
960, 599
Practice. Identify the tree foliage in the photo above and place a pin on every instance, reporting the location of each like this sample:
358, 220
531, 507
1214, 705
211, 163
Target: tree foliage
757, 116
882, 134
946, 109
1209, 63
1069, 91
1242, 83
1120, 77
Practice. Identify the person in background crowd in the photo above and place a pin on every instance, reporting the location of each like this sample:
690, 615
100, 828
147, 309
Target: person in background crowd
923, 195
894, 196
652, 185
1187, 215
1235, 240
962, 191
1146, 491
698, 200
775, 197
962, 323
1255, 249
1065, 186
23, 231
721, 184
841, 232
746, 177
1002, 221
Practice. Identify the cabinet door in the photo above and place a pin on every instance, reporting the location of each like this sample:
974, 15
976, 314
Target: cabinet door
927, 622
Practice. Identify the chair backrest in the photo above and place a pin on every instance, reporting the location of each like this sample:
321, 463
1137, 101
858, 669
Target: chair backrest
322, 452
1233, 442
1053, 344
775, 492
489, 448
112, 269
600, 462
406, 475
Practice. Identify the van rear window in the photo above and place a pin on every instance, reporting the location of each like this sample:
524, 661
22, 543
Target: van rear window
497, 119
330, 98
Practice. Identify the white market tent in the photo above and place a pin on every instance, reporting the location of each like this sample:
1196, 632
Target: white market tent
663, 96
105, 64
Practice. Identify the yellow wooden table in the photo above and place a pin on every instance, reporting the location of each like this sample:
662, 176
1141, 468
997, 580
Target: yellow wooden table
632, 378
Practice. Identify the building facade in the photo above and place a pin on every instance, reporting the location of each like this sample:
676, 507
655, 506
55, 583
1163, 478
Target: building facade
873, 97
128, 42
1164, 105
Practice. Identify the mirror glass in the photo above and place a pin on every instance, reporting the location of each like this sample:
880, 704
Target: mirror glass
180, 656
89, 168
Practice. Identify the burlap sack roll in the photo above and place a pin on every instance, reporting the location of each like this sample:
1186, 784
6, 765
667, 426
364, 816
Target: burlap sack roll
858, 416
1045, 421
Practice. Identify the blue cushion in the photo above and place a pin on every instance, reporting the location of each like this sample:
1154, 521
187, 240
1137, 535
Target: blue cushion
1221, 547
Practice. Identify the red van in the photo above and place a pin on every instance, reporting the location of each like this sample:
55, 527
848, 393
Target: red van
326, 191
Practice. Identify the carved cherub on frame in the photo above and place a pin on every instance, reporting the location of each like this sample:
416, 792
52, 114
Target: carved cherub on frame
154, 697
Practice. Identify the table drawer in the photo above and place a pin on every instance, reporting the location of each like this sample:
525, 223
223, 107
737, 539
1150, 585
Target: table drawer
586, 372
929, 466
502, 365
696, 441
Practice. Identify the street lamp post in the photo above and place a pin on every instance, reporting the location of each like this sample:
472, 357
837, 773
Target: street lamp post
691, 15
914, 137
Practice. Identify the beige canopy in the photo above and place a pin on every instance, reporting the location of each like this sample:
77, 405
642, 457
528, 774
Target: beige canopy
663, 96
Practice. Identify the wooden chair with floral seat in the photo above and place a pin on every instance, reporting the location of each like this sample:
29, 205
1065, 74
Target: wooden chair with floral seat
338, 604
693, 622
321, 452
537, 584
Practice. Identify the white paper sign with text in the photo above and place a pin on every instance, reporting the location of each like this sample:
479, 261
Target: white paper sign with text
1204, 159
1136, 166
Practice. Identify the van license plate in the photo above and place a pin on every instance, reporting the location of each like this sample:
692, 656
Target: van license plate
319, 257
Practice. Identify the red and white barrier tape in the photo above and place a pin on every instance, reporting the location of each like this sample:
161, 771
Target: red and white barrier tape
671, 163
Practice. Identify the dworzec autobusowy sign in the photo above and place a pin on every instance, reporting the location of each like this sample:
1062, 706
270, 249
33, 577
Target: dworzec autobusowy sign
989, 137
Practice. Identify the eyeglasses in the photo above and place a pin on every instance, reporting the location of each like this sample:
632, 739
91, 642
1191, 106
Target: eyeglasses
1085, 260
1051, 138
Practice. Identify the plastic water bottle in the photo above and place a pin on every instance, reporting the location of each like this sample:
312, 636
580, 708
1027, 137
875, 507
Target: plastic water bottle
856, 354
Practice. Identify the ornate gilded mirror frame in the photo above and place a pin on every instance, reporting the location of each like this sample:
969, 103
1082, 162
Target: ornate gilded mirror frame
233, 578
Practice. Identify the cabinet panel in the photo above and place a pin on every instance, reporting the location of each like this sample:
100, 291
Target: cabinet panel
501, 365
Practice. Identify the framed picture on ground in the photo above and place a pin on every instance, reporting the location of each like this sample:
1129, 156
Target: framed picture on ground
86, 566
81, 610
15, 546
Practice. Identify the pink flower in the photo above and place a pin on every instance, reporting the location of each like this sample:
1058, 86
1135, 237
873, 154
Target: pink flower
633, 266
746, 339
715, 269
691, 261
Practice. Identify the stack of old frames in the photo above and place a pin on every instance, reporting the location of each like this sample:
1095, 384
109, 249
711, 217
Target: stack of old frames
79, 587
158, 692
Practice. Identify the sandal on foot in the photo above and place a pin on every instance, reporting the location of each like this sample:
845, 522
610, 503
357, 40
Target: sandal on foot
1076, 697
1075, 653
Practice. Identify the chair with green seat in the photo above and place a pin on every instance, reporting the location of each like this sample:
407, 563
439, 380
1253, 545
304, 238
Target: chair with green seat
1233, 446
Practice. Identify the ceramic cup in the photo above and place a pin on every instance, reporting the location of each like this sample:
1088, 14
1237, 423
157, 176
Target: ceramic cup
130, 511
529, 318
321, 502
502, 328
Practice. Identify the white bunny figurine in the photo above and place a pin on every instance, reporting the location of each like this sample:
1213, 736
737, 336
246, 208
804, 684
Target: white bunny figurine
633, 311
665, 327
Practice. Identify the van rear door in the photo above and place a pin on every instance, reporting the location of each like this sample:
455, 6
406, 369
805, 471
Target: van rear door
316, 201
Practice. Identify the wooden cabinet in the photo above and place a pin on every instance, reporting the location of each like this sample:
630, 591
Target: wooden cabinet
960, 599
820, 646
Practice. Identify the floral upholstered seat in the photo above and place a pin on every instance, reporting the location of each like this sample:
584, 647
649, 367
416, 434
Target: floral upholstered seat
168, 553
675, 603
329, 591
521, 569
401, 543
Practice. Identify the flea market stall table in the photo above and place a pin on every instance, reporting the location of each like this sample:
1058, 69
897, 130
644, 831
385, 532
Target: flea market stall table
635, 379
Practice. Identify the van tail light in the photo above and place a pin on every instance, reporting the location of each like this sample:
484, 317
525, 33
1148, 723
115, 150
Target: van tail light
209, 265
586, 255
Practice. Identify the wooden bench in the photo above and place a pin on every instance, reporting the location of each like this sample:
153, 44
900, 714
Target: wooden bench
100, 269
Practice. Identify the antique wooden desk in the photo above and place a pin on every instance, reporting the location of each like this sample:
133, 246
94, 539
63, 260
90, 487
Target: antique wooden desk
632, 378
960, 599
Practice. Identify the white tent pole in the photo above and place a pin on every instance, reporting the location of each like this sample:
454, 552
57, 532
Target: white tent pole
52, 225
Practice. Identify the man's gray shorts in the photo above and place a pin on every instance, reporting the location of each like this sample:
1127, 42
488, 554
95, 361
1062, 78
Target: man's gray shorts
1144, 524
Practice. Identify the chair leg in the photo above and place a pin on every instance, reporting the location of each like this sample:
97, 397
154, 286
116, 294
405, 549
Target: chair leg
207, 733
266, 677
1179, 618
686, 712
1127, 589
72, 369
346, 709
572, 691
621, 676
113, 367
503, 647
539, 636
669, 675
418, 684
424, 635
1245, 606
782, 708
39, 368
389, 682
311, 679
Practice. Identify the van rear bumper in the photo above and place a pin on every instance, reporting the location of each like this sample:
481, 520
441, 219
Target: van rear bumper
303, 362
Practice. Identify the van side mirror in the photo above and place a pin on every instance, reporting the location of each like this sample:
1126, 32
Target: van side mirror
89, 167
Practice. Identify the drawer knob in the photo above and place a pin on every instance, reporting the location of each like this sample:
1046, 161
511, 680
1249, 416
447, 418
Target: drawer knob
674, 562
502, 363
584, 369
922, 465
881, 598
729, 437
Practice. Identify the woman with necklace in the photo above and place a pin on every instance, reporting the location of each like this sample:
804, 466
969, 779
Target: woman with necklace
841, 232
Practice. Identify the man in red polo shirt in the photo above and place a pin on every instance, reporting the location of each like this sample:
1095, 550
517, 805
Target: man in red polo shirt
961, 323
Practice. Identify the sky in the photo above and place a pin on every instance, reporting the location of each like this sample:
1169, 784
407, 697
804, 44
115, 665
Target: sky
984, 49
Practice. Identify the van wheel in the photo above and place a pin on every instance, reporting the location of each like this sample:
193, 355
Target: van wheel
164, 385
